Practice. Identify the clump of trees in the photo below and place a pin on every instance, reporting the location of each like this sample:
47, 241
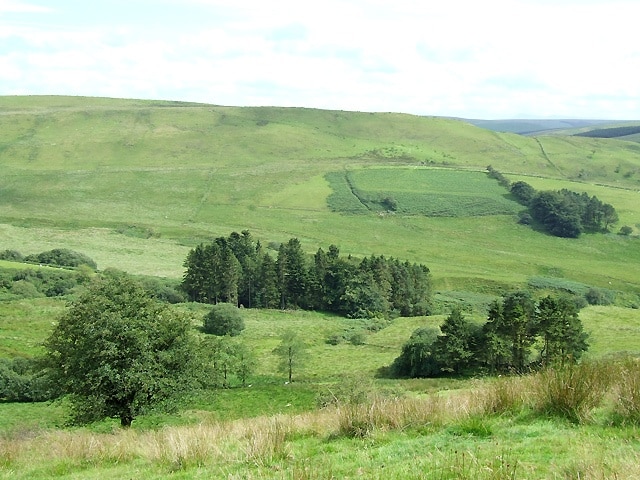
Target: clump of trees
564, 213
520, 334
237, 270
33, 283
612, 132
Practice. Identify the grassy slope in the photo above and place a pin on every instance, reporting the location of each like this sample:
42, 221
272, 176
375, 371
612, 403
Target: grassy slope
76, 170
214, 439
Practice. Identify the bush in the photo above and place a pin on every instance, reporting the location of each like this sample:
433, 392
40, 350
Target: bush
23, 380
525, 218
62, 257
11, 255
625, 230
25, 289
595, 296
165, 290
223, 319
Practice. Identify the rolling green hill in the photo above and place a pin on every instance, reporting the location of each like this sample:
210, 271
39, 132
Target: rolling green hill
136, 184
536, 126
91, 174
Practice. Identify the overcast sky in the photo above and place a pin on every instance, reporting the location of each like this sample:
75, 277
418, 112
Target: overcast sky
468, 58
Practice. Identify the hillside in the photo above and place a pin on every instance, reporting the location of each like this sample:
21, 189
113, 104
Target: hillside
134, 184
536, 126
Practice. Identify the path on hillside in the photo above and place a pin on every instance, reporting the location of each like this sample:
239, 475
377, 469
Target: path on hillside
544, 154
354, 192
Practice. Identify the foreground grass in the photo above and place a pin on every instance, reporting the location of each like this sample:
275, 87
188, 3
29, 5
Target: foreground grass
495, 429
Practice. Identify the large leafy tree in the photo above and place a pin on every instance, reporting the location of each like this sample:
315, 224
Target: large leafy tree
118, 353
417, 359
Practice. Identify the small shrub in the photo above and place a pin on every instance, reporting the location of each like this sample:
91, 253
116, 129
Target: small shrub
505, 395
465, 465
349, 391
223, 319
335, 339
595, 296
390, 204
356, 338
268, 443
525, 218
625, 230
473, 426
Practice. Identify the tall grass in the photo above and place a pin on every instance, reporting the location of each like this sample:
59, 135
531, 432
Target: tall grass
627, 404
469, 433
573, 391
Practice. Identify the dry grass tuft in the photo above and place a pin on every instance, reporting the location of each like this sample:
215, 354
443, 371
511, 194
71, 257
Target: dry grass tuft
628, 391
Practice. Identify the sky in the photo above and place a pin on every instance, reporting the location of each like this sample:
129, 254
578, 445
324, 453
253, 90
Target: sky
477, 59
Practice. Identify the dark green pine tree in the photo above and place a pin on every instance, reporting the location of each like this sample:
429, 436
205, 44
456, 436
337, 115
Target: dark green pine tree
564, 339
510, 332
454, 350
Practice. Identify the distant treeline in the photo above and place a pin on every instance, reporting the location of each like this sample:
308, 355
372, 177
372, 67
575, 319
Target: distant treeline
237, 270
562, 213
610, 132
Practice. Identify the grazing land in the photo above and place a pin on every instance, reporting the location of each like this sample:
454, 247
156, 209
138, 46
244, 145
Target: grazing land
136, 184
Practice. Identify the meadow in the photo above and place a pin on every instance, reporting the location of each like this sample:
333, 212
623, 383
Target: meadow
136, 184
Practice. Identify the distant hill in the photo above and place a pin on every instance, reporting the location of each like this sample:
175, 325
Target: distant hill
623, 132
530, 127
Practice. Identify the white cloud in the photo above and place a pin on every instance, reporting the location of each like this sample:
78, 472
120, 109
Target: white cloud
9, 6
464, 58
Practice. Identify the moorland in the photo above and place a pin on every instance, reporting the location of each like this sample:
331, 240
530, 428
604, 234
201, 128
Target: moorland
135, 185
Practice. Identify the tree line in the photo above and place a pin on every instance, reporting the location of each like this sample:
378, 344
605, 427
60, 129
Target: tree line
236, 269
519, 335
610, 132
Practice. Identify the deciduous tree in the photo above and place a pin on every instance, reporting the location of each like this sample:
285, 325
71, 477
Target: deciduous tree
116, 352
292, 352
